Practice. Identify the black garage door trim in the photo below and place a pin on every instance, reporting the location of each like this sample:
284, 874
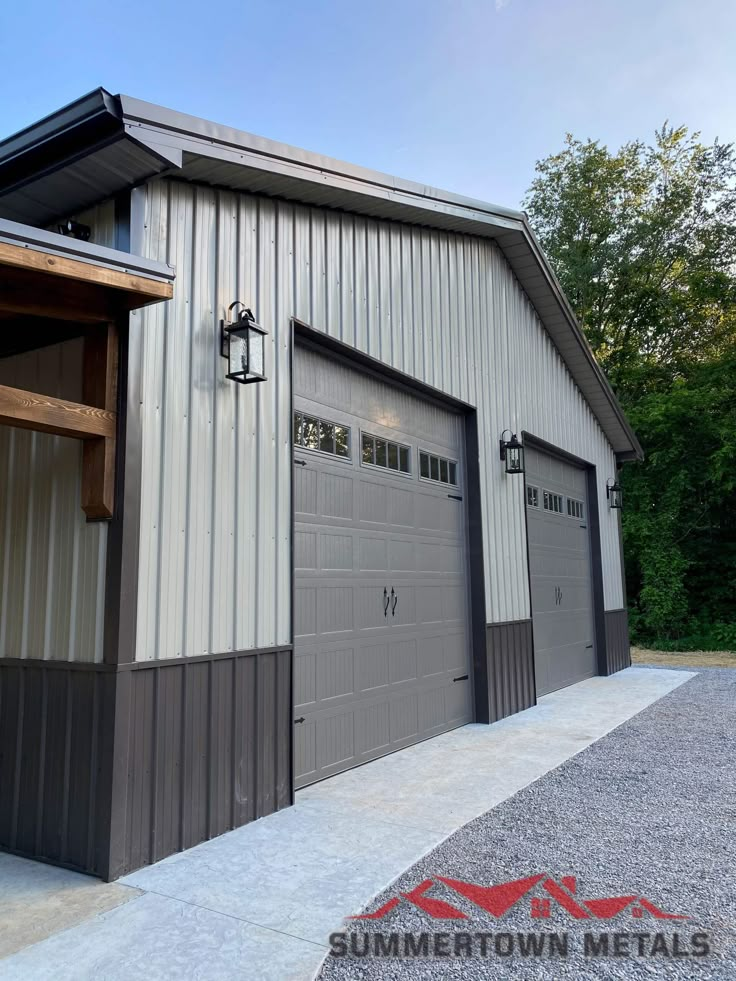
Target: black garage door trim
482, 679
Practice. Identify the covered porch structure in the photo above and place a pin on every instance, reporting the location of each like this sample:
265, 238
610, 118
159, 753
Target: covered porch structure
64, 326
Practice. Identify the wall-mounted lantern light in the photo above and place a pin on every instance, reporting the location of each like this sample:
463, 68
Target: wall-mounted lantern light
614, 494
75, 229
242, 342
512, 453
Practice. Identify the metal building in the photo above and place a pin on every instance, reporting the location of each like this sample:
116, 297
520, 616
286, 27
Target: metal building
268, 583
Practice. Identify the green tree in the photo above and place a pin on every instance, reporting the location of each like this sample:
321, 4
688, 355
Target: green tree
680, 514
643, 241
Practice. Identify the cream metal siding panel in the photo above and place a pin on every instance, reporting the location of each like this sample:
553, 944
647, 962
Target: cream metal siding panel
52, 562
216, 508
101, 220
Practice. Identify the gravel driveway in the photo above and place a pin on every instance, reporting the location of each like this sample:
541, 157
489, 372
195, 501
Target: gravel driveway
648, 811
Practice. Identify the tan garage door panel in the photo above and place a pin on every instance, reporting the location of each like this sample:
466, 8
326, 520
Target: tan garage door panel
381, 600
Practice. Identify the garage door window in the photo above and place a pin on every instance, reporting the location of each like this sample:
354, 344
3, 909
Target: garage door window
532, 497
437, 468
574, 508
552, 502
384, 453
319, 434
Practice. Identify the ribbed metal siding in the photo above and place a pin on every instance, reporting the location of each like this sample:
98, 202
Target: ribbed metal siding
52, 562
206, 746
442, 307
618, 650
50, 761
510, 652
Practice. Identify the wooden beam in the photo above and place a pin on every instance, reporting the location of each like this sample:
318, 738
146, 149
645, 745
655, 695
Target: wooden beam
29, 410
100, 389
86, 272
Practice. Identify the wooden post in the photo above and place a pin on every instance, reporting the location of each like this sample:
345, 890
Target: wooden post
100, 390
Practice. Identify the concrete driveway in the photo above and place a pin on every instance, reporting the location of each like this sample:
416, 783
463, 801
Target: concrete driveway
261, 901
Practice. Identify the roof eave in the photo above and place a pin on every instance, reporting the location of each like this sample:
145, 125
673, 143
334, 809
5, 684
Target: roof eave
160, 140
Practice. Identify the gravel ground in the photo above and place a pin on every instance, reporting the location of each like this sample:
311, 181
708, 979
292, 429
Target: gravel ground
648, 810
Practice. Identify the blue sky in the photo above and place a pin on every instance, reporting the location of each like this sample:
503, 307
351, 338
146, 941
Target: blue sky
461, 94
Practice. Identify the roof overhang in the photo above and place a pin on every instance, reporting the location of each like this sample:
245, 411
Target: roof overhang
103, 144
73, 159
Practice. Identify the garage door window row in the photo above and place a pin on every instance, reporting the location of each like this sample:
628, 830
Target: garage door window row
437, 468
554, 502
384, 453
319, 434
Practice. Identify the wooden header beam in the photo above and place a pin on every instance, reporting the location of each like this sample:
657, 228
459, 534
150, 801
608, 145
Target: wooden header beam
141, 290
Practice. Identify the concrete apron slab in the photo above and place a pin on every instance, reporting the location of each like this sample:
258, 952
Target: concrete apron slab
261, 901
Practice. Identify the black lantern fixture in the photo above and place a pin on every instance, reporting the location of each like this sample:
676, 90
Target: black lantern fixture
614, 494
512, 453
242, 342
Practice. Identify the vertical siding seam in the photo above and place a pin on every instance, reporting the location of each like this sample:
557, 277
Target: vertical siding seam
97, 682
40, 778
214, 461
209, 756
19, 749
185, 723
257, 409
235, 754
68, 710
155, 727
281, 319
191, 333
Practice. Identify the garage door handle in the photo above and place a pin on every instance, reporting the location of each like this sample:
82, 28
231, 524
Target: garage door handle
455, 497
386, 601
394, 600
463, 677
300, 463
588, 646
297, 721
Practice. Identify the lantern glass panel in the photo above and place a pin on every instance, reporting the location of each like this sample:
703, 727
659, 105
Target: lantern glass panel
514, 459
256, 344
238, 353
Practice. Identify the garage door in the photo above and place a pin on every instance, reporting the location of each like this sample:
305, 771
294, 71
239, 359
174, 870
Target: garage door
559, 572
381, 656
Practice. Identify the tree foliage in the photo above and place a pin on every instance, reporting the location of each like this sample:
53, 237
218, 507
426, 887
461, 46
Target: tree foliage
643, 241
